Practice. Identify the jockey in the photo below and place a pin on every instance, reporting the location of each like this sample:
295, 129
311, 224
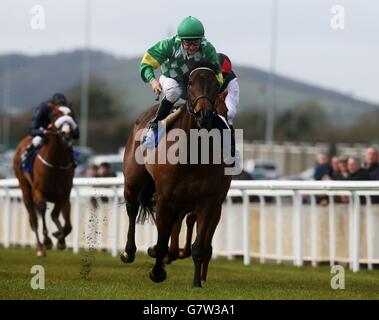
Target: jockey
40, 122
230, 87
171, 55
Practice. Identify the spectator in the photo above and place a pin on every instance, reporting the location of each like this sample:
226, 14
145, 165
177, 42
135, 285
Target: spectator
343, 173
323, 170
335, 169
356, 172
105, 170
371, 163
91, 171
372, 166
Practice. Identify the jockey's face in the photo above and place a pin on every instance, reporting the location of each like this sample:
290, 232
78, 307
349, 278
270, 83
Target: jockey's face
191, 46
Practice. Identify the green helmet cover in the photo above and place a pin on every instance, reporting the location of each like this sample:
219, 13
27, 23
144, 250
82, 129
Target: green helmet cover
190, 28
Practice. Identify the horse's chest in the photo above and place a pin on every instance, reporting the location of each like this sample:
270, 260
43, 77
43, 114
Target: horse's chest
55, 185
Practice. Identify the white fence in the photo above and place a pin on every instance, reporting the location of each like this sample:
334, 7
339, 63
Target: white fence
282, 223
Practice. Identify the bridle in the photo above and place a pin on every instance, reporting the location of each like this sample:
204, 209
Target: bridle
192, 103
57, 124
48, 164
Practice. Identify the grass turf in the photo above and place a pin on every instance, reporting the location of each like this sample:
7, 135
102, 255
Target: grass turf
97, 275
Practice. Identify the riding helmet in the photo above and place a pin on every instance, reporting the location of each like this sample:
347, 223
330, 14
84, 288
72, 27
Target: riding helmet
190, 28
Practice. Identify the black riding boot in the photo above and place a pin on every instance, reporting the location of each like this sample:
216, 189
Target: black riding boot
162, 112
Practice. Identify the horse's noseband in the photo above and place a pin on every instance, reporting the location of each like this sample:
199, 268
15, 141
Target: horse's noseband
191, 104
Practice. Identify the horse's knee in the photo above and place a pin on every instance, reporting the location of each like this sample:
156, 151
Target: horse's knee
197, 252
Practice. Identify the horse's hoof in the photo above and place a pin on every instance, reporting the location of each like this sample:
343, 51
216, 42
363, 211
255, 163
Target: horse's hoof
127, 258
167, 260
170, 258
196, 284
158, 276
151, 252
61, 245
41, 253
57, 234
48, 243
183, 253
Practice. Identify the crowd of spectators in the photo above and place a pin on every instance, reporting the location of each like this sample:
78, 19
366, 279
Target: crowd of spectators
103, 170
348, 168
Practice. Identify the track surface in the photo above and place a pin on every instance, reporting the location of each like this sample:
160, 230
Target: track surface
96, 275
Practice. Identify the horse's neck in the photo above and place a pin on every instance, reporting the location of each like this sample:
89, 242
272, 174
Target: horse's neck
55, 151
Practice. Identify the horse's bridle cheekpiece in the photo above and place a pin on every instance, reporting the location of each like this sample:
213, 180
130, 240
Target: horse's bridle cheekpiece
191, 104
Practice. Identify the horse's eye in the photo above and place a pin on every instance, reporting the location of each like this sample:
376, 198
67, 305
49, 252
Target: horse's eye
190, 83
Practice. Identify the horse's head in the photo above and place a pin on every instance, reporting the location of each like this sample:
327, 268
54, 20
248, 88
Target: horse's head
63, 123
202, 92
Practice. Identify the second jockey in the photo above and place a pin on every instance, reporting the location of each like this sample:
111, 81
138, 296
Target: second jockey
230, 89
41, 119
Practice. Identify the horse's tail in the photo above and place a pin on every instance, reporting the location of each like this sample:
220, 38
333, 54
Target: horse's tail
146, 201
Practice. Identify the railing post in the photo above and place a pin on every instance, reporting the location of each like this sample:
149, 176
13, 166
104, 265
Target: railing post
279, 229
6, 219
369, 232
262, 229
76, 235
24, 219
313, 231
356, 232
229, 228
351, 229
115, 222
297, 230
246, 228
332, 231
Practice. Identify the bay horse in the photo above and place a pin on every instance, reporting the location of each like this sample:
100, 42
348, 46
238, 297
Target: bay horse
177, 188
51, 178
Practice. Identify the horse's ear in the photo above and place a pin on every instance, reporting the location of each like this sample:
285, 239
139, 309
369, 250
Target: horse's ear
50, 104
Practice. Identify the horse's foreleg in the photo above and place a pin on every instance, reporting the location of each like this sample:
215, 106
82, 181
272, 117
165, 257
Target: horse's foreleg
66, 211
208, 244
46, 239
130, 247
190, 222
33, 219
207, 220
164, 221
55, 217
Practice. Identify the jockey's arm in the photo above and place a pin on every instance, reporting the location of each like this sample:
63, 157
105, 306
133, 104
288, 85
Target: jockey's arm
232, 99
153, 58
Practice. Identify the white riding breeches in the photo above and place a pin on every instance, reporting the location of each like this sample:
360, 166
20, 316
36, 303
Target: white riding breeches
232, 99
171, 88
37, 141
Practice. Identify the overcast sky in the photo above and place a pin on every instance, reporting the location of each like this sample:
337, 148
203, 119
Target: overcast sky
308, 48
